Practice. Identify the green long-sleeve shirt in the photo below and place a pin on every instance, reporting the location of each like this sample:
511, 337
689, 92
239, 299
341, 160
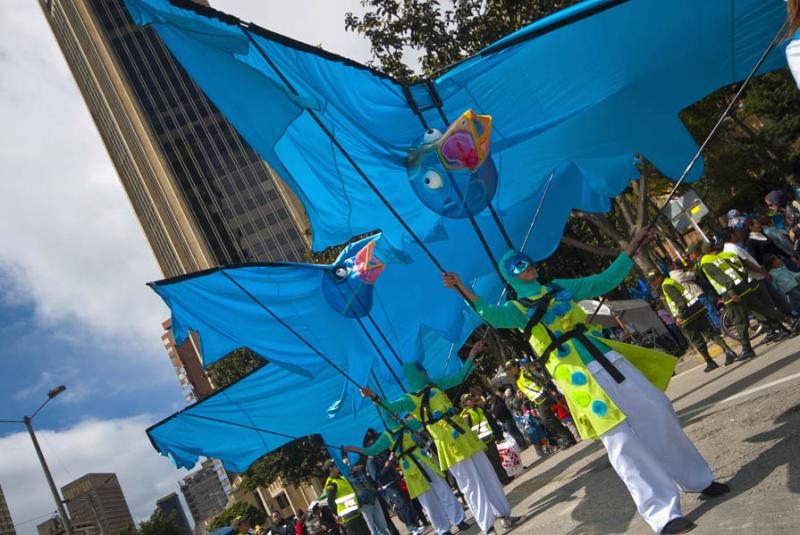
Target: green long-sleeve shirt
444, 382
385, 442
508, 316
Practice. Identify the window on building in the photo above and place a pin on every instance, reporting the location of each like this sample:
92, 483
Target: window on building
282, 500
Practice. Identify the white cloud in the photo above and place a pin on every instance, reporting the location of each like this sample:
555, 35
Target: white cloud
309, 21
71, 242
118, 446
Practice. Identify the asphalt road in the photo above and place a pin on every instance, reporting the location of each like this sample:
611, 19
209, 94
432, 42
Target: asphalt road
745, 420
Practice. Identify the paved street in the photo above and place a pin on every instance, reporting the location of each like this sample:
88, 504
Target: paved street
745, 419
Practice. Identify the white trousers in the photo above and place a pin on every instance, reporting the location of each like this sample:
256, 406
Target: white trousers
484, 494
793, 58
649, 450
441, 506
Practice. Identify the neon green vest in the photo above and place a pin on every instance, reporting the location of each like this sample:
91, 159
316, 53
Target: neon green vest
410, 457
733, 268
592, 410
687, 295
454, 440
346, 501
532, 390
479, 423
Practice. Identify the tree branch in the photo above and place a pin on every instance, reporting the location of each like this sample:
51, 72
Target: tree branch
603, 224
625, 208
642, 190
594, 249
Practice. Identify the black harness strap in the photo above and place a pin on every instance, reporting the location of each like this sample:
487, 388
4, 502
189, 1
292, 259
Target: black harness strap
578, 332
400, 453
427, 414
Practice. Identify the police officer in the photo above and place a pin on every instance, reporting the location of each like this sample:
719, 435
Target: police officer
683, 297
728, 275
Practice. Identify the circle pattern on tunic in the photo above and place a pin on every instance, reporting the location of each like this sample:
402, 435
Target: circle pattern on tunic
582, 399
579, 379
599, 408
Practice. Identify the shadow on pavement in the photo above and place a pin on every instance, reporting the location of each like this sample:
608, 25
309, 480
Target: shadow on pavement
605, 508
784, 452
734, 388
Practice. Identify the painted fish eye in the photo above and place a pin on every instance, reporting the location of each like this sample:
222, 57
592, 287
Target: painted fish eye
341, 273
432, 180
431, 135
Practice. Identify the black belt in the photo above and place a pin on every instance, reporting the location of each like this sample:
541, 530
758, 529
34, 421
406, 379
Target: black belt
579, 333
427, 415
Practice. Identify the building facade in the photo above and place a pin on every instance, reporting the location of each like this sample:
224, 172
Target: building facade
98, 499
202, 195
6, 523
171, 504
206, 491
53, 526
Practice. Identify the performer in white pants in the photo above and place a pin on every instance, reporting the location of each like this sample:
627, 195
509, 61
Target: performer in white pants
441, 506
478, 481
459, 449
649, 450
603, 383
423, 478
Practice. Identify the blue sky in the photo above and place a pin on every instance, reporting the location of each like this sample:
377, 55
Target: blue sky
74, 308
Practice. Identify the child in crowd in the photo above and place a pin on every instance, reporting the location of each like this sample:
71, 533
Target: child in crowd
787, 282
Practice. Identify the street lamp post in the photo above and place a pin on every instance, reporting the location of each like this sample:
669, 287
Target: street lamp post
27, 421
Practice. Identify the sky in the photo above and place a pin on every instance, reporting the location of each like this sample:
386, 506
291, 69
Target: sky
74, 308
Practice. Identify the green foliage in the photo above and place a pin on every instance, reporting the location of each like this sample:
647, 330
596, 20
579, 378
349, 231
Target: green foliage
234, 366
158, 524
237, 510
440, 33
296, 462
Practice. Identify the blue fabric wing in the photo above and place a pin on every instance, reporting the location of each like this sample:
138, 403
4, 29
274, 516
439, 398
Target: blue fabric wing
238, 424
590, 86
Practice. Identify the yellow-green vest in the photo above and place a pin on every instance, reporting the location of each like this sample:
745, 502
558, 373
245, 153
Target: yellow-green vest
733, 268
416, 480
346, 500
532, 390
593, 411
479, 423
452, 445
690, 298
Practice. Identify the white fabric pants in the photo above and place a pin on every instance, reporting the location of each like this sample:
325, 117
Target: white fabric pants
793, 58
373, 515
484, 494
441, 506
649, 450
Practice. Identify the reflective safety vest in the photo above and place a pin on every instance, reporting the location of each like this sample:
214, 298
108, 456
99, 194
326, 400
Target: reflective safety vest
346, 500
691, 309
480, 425
732, 266
454, 440
532, 390
412, 459
556, 325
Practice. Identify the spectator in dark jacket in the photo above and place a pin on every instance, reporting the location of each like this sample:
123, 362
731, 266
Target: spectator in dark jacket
500, 411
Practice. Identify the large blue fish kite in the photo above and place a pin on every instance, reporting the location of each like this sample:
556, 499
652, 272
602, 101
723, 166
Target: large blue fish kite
590, 86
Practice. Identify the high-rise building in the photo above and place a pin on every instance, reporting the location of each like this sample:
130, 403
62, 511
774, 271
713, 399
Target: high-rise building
202, 195
206, 490
171, 504
98, 498
185, 358
6, 524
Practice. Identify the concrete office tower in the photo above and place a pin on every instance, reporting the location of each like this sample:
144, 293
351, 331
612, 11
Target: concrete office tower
206, 491
6, 524
97, 498
202, 195
171, 504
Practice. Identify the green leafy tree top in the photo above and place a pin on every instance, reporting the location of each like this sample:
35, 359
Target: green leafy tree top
441, 33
